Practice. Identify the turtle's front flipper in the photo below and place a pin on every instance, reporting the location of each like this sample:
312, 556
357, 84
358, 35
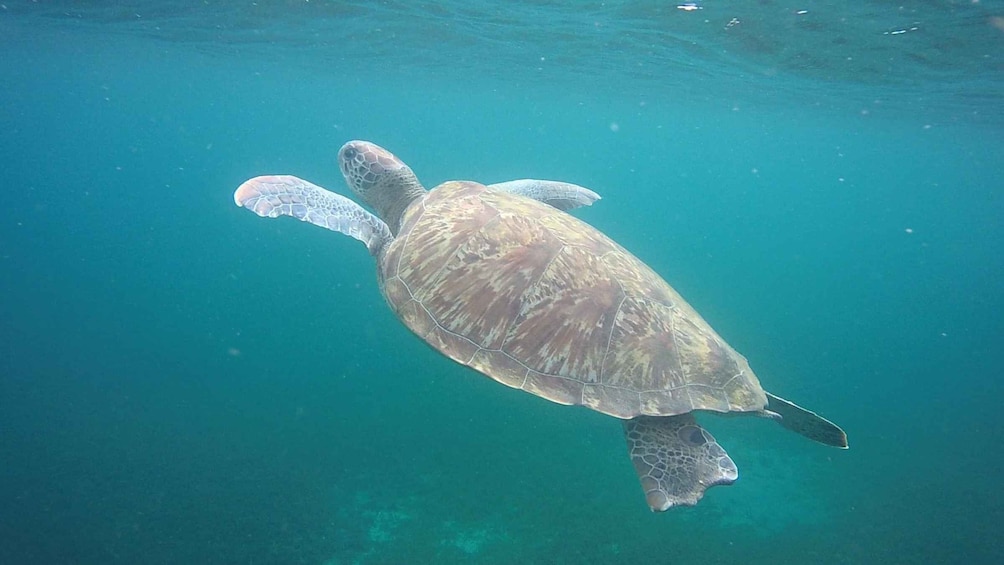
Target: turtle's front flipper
284, 195
802, 421
676, 460
562, 195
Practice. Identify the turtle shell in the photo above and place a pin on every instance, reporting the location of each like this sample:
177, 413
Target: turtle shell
542, 301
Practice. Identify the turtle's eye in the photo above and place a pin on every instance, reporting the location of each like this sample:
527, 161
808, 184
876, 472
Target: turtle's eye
351, 153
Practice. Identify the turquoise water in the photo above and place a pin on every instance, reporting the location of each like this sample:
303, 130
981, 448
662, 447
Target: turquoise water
183, 382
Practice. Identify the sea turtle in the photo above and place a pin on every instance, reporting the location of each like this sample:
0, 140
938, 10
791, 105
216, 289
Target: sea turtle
502, 279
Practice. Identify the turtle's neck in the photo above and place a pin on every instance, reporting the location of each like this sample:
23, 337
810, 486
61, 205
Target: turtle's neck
392, 196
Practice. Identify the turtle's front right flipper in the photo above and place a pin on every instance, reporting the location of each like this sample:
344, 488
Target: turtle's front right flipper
676, 460
564, 196
284, 195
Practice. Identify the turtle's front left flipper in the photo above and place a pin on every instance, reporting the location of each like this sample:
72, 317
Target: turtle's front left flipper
284, 195
676, 460
562, 195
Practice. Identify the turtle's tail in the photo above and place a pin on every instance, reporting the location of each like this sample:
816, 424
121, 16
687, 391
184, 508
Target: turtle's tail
806, 423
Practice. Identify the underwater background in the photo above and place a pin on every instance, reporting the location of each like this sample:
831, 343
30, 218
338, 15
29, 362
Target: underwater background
184, 382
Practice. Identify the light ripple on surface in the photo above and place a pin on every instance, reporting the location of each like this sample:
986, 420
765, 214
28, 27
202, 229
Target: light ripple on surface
945, 54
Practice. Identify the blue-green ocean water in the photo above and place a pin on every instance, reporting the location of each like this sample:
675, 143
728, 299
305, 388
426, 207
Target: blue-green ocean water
184, 382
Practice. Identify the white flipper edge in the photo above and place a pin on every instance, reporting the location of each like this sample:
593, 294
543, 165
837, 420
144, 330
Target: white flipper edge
284, 195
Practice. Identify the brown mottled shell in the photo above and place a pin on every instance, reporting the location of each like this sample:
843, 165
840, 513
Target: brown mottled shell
541, 301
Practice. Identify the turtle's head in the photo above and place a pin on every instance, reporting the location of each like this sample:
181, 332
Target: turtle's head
380, 179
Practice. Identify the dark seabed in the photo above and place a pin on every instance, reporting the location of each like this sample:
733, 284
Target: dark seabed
183, 382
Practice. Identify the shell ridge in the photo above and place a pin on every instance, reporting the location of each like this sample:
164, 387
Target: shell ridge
679, 358
529, 287
478, 346
435, 278
526, 378
725, 386
610, 336
507, 332
404, 246
618, 250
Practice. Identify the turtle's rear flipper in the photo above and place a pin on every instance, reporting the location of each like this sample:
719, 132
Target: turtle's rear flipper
809, 424
676, 460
